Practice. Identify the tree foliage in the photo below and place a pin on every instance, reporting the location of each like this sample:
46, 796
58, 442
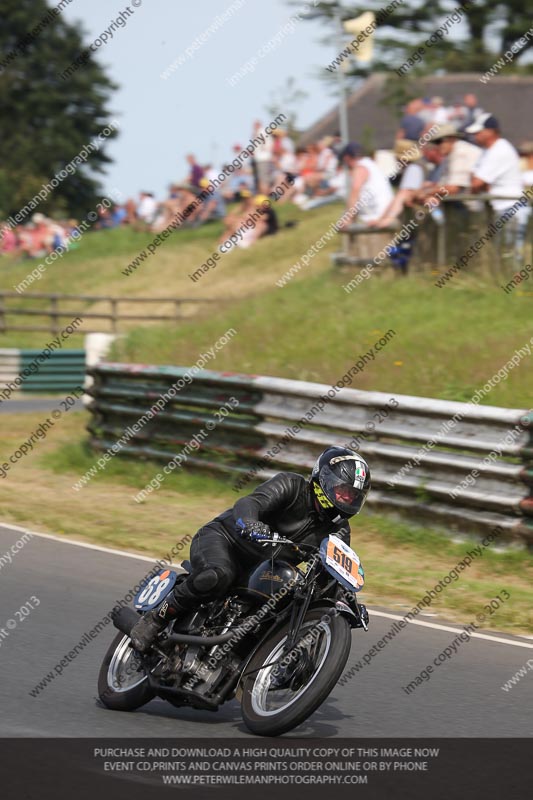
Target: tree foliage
45, 121
486, 30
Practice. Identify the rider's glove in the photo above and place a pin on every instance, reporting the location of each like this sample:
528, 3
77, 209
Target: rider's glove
253, 530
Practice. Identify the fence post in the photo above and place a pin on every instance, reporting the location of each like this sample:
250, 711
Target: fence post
3, 323
114, 305
53, 314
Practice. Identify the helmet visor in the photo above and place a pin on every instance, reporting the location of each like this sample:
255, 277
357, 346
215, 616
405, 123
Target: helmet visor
345, 497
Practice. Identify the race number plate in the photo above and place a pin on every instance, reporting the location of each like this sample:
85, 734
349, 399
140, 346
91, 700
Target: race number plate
343, 563
154, 592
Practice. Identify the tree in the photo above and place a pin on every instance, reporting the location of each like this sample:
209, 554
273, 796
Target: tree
45, 120
284, 99
477, 36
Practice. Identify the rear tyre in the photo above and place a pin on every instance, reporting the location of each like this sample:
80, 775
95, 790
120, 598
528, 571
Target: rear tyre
271, 711
122, 681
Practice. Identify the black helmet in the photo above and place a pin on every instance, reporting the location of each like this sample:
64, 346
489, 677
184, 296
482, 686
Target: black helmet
340, 482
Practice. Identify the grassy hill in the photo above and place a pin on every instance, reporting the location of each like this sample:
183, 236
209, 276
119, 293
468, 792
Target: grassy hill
447, 342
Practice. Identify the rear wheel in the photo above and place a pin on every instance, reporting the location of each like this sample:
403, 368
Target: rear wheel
122, 682
283, 691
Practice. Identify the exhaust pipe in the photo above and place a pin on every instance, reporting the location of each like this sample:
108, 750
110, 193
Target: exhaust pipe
124, 619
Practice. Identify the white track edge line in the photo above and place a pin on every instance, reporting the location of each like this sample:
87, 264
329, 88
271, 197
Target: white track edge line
454, 630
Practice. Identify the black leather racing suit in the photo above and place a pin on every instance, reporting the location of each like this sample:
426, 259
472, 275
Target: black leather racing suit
219, 554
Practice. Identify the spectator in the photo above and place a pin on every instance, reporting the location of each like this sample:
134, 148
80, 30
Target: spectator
526, 152
498, 170
263, 159
411, 124
411, 182
196, 172
440, 113
498, 173
370, 191
147, 208
335, 190
472, 111
459, 157
213, 207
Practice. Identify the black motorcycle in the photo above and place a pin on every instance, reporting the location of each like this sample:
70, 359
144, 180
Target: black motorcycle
279, 641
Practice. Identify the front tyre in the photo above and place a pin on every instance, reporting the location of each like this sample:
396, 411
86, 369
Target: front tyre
122, 682
272, 705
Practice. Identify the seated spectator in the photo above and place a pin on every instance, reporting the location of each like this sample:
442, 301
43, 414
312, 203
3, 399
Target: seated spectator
411, 182
147, 208
9, 240
213, 207
325, 167
333, 191
267, 225
370, 191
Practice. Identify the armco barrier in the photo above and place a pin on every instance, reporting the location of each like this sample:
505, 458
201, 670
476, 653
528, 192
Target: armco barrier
61, 372
267, 408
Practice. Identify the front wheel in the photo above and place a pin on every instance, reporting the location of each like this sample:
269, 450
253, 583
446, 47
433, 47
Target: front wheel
122, 682
283, 690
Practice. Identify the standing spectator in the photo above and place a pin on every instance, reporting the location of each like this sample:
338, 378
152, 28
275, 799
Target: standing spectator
526, 152
472, 111
196, 173
498, 173
498, 170
411, 124
263, 159
460, 158
440, 112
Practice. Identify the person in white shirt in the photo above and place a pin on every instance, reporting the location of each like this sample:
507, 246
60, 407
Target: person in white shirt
370, 190
498, 169
498, 173
526, 152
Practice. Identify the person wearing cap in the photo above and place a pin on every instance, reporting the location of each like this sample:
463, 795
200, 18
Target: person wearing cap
498, 169
213, 206
459, 159
370, 190
498, 173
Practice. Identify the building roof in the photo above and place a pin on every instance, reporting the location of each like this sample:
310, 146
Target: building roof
510, 99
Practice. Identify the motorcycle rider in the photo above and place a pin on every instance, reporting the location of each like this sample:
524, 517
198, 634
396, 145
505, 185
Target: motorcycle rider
303, 510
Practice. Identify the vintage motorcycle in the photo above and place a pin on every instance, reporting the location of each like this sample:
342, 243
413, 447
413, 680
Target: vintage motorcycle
279, 642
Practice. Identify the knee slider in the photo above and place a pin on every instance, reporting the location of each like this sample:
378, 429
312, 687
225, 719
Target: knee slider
210, 580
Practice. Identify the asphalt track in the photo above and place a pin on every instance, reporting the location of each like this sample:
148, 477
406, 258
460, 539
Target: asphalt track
77, 586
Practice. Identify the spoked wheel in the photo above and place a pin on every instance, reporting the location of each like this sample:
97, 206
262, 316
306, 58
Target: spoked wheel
282, 690
122, 682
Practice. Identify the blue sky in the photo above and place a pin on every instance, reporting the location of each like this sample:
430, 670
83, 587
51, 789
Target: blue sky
195, 109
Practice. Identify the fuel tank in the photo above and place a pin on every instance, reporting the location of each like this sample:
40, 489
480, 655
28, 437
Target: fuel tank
267, 579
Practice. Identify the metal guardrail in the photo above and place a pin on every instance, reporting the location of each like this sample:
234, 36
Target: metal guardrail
51, 309
62, 371
268, 407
